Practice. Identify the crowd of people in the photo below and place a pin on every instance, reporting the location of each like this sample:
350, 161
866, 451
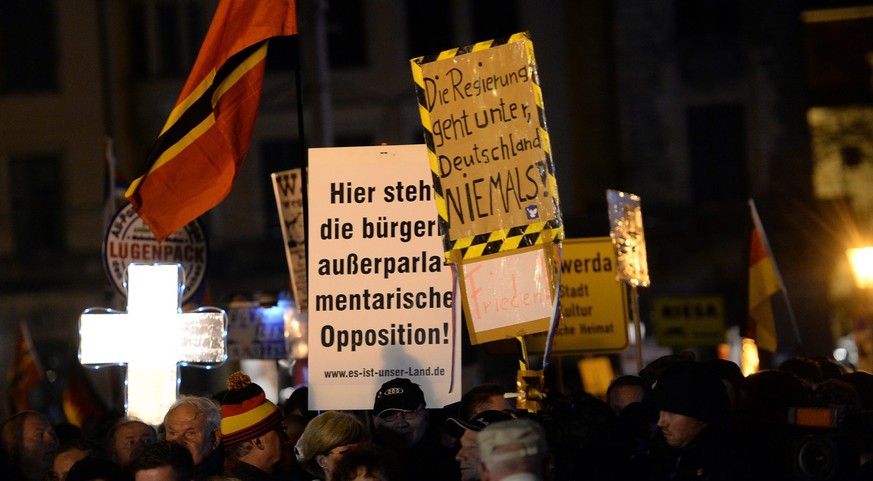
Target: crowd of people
678, 419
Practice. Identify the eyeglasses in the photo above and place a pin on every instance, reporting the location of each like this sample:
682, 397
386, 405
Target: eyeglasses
396, 414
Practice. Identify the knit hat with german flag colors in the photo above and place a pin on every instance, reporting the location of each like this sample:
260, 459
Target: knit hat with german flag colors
246, 413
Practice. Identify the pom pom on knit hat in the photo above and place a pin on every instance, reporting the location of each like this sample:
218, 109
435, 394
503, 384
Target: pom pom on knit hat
246, 413
237, 381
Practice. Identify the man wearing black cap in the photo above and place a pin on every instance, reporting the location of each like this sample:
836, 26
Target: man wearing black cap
466, 432
694, 441
399, 414
403, 426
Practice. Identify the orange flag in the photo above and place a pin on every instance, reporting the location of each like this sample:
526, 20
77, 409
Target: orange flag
24, 373
200, 150
764, 282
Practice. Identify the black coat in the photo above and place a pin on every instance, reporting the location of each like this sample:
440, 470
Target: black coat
712, 456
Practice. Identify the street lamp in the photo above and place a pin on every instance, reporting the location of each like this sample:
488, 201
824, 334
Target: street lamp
861, 260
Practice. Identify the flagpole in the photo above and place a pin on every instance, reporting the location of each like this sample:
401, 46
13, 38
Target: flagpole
322, 111
638, 329
760, 227
304, 155
556, 317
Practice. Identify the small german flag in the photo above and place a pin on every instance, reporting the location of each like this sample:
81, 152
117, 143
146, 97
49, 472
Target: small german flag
82, 405
25, 372
764, 282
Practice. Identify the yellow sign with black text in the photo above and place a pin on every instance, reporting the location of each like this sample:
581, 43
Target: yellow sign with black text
686, 321
484, 124
594, 313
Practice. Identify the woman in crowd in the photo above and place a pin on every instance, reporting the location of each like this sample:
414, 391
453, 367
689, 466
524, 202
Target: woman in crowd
326, 438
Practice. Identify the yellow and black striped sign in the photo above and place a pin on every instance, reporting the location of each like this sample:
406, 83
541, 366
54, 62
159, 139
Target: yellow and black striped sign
481, 108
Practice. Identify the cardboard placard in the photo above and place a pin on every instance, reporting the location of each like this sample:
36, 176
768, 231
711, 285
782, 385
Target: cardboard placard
508, 295
288, 188
482, 112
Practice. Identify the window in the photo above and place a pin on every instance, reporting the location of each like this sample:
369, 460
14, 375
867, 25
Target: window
701, 18
138, 41
28, 46
494, 19
431, 26
170, 54
37, 208
717, 146
429, 41
346, 39
166, 36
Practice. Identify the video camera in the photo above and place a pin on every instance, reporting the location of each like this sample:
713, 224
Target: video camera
820, 444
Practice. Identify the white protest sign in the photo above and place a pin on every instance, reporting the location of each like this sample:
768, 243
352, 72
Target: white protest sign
288, 187
507, 295
257, 332
380, 294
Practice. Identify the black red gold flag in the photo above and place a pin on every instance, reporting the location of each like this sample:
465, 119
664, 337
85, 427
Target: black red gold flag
199, 152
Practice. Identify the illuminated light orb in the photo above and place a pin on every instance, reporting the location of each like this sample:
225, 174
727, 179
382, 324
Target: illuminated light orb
861, 259
749, 360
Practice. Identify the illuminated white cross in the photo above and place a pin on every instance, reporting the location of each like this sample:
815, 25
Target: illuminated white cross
153, 338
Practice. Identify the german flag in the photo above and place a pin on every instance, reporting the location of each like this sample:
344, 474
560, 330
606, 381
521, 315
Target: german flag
764, 283
25, 372
82, 405
199, 152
